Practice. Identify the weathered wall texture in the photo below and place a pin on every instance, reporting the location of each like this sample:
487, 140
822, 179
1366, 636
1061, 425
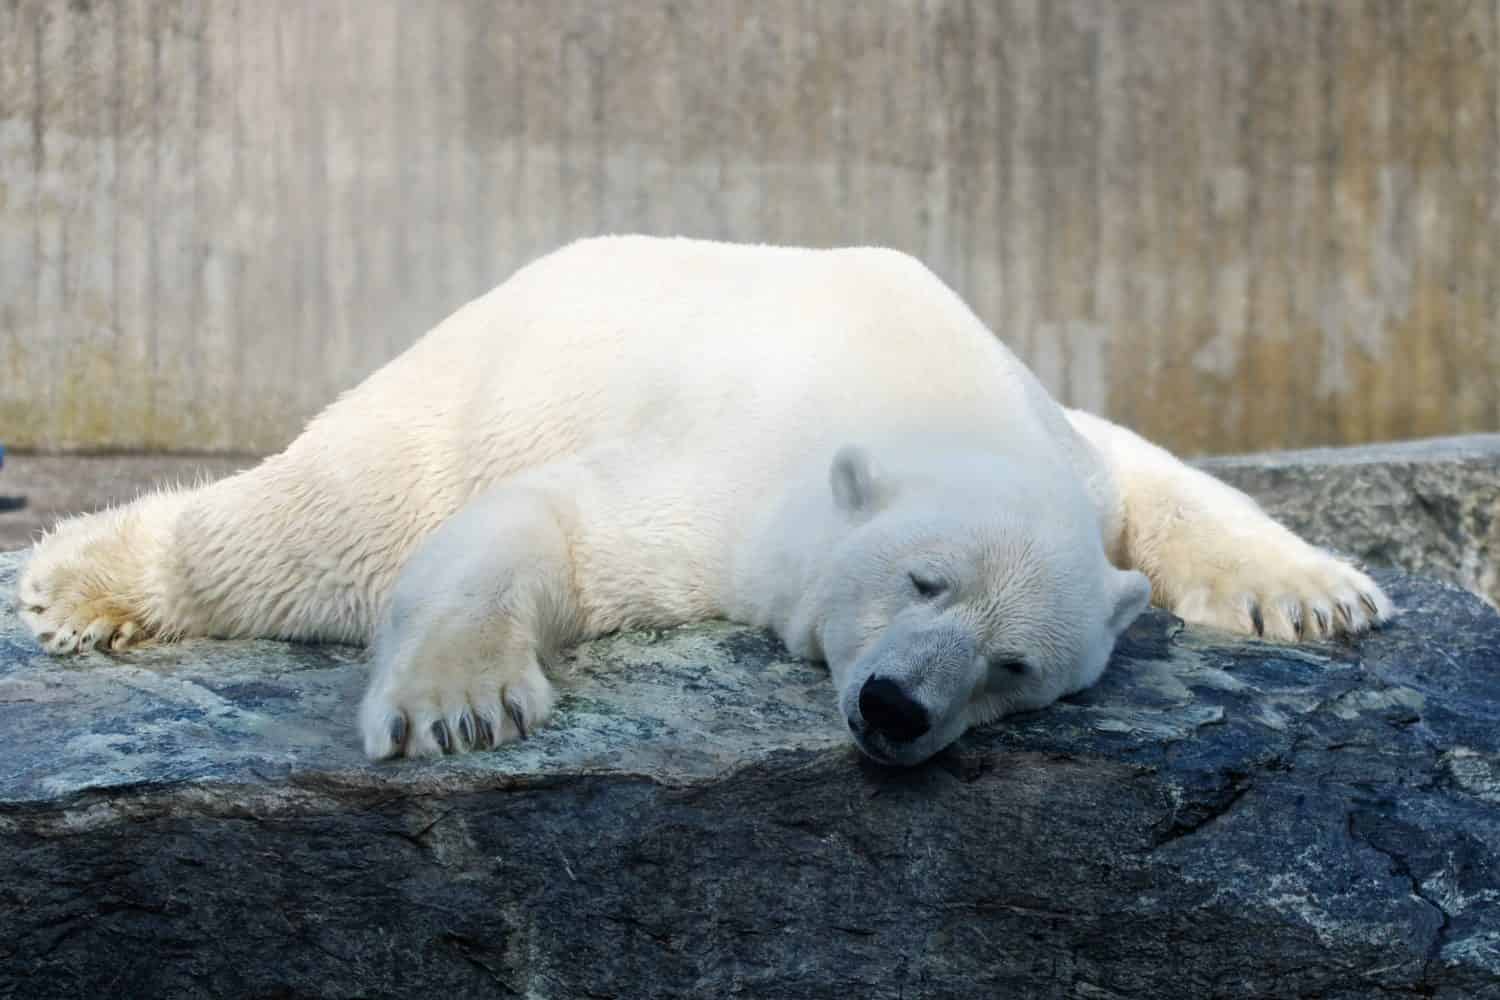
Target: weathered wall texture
1235, 225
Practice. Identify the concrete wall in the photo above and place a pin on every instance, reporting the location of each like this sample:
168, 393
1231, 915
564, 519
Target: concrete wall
1233, 224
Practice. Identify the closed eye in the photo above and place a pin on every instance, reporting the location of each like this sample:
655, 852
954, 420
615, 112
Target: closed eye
926, 587
1016, 667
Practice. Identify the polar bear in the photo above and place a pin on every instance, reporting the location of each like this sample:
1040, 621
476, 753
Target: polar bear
634, 431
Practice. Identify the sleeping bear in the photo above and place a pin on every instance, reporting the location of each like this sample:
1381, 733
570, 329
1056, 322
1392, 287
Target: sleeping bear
635, 432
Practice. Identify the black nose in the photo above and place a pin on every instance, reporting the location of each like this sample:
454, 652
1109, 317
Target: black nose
889, 712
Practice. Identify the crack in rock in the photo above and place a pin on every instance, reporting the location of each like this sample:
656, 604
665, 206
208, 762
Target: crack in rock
1401, 867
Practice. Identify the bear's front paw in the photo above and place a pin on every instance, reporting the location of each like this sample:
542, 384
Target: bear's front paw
427, 707
1299, 592
81, 589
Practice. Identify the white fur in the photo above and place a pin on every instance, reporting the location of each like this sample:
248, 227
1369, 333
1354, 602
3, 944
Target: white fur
636, 431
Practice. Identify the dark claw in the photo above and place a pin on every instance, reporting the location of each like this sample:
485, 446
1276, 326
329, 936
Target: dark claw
1347, 614
443, 737
1296, 617
514, 711
1256, 620
466, 729
1322, 621
1370, 605
486, 732
398, 732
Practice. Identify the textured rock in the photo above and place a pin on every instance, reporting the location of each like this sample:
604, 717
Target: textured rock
1215, 818
1429, 507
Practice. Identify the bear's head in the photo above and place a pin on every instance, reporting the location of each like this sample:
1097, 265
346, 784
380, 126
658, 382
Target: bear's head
966, 587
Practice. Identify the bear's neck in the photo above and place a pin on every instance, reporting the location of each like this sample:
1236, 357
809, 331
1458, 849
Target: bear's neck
779, 562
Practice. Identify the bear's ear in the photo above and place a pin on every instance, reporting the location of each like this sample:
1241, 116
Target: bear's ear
1131, 592
856, 480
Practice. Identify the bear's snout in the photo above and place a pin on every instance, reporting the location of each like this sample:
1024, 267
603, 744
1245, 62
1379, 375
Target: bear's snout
888, 711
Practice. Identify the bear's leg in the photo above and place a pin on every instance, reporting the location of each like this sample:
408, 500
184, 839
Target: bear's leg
1215, 558
298, 547
457, 657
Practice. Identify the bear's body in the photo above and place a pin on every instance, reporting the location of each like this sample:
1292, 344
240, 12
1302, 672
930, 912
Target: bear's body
637, 431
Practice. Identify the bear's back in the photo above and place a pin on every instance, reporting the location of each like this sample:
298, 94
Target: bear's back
741, 360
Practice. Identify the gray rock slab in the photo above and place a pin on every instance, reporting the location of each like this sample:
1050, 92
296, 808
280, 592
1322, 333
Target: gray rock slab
1215, 818
1430, 506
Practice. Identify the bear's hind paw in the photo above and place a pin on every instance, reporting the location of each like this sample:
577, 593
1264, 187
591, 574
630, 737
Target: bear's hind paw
71, 607
79, 632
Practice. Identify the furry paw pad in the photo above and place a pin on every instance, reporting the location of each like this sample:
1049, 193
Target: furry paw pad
1308, 595
438, 708
73, 598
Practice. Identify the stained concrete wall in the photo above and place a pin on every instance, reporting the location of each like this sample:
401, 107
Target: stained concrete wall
1235, 225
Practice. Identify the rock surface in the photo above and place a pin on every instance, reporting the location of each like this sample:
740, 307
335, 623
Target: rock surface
1215, 818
